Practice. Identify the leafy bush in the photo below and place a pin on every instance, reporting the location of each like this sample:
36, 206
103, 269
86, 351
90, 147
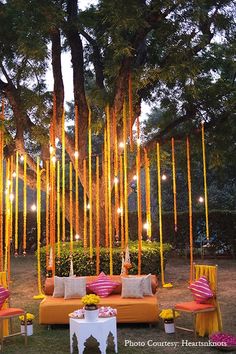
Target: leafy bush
83, 265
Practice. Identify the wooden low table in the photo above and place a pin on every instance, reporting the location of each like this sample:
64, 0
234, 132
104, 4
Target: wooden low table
99, 329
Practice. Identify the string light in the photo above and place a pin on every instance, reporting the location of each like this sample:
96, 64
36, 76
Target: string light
116, 180
51, 149
138, 141
119, 210
146, 226
33, 207
14, 174
22, 158
135, 178
201, 199
76, 154
8, 183
11, 197
88, 206
121, 145
164, 177
77, 237
53, 159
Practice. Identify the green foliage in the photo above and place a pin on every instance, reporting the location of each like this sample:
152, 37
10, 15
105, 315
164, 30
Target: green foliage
83, 265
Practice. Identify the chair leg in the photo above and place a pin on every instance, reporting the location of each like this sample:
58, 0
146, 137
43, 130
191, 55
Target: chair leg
194, 325
25, 320
1, 334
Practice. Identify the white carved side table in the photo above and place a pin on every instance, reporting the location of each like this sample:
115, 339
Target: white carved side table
99, 329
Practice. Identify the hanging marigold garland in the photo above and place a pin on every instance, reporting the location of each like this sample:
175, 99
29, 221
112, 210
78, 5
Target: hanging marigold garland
16, 202
58, 211
40, 294
76, 170
160, 213
139, 198
25, 206
125, 176
116, 180
205, 181
106, 192
1, 183
130, 112
7, 214
47, 213
121, 208
63, 199
147, 195
109, 189
85, 203
190, 209
90, 185
97, 218
174, 183
71, 206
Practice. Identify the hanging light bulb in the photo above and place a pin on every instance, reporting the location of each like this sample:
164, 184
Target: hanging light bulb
121, 145
88, 206
76, 154
53, 159
138, 141
201, 199
56, 141
22, 158
116, 180
51, 149
8, 183
135, 177
146, 226
11, 197
119, 210
164, 177
33, 207
77, 237
14, 174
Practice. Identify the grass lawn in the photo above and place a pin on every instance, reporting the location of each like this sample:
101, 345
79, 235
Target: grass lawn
138, 338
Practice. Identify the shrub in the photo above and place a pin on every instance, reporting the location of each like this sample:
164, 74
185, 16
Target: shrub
84, 265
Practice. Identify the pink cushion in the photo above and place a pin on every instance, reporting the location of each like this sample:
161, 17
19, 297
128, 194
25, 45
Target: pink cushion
4, 294
201, 290
103, 285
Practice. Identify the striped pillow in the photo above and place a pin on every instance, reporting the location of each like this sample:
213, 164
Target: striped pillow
4, 294
201, 290
103, 286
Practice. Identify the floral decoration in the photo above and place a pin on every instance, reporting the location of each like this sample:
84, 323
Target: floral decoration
167, 314
29, 318
90, 299
168, 285
223, 340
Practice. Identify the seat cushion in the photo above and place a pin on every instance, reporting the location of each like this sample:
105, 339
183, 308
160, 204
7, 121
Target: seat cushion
12, 311
193, 306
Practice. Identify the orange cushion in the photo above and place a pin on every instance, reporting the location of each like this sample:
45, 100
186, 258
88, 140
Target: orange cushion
11, 312
193, 306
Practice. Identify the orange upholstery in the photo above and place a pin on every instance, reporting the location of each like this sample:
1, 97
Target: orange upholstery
11, 312
193, 306
56, 310
129, 310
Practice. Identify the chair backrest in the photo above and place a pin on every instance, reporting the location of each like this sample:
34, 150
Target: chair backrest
3, 279
210, 272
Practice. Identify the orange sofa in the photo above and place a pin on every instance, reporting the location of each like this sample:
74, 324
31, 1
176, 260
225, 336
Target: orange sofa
129, 310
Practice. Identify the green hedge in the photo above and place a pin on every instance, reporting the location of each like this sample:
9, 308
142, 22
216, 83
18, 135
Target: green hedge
83, 265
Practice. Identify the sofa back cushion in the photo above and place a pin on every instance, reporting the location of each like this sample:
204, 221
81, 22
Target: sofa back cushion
49, 283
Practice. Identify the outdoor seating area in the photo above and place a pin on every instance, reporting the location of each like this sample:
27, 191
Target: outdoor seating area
117, 176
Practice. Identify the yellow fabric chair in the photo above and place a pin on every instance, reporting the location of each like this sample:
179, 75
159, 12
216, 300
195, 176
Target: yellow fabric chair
206, 317
7, 313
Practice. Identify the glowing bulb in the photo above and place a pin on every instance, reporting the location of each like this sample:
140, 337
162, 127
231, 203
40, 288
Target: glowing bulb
53, 159
77, 237
119, 210
8, 183
22, 158
57, 141
121, 145
138, 141
88, 206
201, 199
116, 180
76, 154
51, 149
146, 226
33, 207
11, 197
135, 178
164, 177
14, 174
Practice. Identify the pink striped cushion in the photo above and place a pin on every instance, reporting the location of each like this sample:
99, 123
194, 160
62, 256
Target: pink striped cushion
201, 290
4, 294
103, 286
